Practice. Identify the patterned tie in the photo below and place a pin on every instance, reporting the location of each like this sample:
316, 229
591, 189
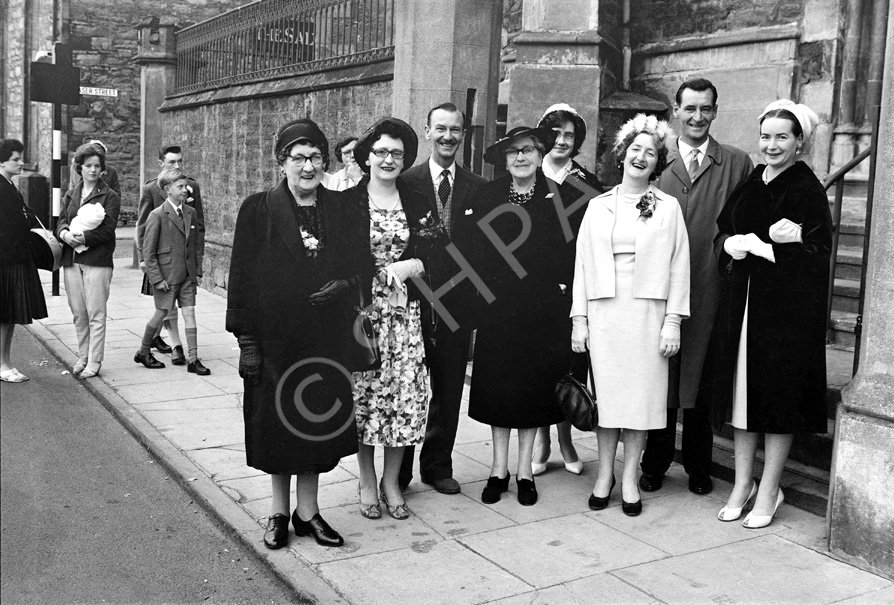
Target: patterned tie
444, 188
693, 165
180, 215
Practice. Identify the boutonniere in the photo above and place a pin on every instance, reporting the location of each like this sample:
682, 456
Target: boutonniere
426, 221
189, 199
578, 173
430, 228
646, 205
311, 244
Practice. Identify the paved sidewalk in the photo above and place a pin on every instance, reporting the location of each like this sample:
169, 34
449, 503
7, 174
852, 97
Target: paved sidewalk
454, 549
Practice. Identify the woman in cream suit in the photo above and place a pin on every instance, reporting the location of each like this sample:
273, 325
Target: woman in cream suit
631, 290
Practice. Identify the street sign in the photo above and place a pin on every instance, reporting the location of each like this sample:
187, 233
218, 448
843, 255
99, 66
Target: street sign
99, 92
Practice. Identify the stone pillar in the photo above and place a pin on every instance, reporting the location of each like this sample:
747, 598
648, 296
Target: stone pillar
861, 506
158, 62
560, 55
442, 48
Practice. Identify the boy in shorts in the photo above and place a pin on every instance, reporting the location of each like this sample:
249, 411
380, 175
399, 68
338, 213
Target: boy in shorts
173, 249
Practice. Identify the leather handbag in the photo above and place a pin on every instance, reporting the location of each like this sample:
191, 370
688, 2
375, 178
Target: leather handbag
362, 352
45, 249
578, 403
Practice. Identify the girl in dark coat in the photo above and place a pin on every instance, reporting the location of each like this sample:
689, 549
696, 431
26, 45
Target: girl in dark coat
298, 261
21, 296
767, 370
521, 348
577, 186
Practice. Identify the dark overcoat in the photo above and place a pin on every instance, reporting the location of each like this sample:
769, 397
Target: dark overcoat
786, 331
299, 415
523, 344
721, 170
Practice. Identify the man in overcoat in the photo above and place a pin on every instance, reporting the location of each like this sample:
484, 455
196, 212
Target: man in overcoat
449, 186
170, 157
701, 173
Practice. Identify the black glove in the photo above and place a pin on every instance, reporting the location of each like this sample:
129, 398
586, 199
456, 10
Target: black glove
330, 292
249, 357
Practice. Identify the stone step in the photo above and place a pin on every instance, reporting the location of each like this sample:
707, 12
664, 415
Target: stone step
851, 235
843, 324
845, 295
849, 264
853, 209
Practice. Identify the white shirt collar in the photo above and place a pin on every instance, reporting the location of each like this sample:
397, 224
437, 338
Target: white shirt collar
686, 150
173, 206
559, 175
436, 171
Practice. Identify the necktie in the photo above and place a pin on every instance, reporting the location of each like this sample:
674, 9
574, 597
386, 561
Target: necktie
693, 165
180, 215
444, 188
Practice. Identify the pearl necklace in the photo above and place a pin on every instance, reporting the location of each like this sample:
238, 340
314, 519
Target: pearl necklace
380, 208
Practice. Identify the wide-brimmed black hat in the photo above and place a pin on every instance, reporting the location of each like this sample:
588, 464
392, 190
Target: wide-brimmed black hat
393, 127
496, 153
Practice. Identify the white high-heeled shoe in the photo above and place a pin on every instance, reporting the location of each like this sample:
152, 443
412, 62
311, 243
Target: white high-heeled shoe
753, 521
538, 468
575, 468
728, 513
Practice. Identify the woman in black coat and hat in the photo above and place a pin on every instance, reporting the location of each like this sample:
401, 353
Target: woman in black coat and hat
512, 236
767, 367
298, 261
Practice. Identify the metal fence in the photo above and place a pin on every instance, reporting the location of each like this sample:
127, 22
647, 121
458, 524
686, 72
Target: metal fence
279, 38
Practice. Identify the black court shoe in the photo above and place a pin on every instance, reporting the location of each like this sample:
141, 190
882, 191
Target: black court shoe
494, 488
597, 503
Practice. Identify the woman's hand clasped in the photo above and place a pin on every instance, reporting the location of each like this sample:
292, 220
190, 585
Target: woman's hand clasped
736, 246
580, 335
669, 338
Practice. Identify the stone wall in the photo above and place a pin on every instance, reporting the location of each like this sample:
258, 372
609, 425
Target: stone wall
104, 38
755, 52
228, 145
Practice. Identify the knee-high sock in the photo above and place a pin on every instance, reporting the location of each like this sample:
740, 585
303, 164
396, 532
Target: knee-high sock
148, 335
192, 344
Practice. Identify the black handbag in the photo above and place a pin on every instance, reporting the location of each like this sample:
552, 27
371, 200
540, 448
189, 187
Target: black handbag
577, 402
362, 351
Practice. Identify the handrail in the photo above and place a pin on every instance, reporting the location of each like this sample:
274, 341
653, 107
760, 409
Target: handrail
839, 174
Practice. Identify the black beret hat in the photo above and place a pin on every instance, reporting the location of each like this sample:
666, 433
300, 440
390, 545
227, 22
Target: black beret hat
496, 153
392, 127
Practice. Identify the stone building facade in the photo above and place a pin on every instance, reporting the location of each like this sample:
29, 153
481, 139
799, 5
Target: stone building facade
104, 37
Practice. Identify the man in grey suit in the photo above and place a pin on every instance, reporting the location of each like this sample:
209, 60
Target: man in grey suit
173, 249
448, 185
701, 173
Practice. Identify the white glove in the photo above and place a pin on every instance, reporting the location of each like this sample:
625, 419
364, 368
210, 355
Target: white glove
403, 270
785, 231
669, 339
735, 247
758, 247
580, 334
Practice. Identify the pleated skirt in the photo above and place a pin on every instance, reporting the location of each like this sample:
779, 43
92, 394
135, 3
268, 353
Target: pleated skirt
21, 295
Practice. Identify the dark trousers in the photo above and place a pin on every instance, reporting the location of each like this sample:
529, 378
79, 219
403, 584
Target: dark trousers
447, 362
698, 443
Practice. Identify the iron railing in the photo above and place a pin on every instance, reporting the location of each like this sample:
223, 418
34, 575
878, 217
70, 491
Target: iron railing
272, 39
837, 178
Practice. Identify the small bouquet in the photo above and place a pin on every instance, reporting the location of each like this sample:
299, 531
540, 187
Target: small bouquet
646, 205
311, 244
431, 229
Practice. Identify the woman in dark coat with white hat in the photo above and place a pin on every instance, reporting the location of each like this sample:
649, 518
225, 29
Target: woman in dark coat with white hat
521, 348
298, 260
766, 366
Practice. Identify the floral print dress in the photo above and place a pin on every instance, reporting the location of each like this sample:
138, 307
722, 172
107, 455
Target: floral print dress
392, 402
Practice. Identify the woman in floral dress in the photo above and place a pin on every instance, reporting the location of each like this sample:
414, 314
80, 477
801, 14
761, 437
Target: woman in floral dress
392, 402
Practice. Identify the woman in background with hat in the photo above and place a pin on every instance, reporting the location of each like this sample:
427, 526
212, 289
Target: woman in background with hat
767, 370
21, 295
87, 259
298, 261
405, 237
521, 346
576, 187
631, 291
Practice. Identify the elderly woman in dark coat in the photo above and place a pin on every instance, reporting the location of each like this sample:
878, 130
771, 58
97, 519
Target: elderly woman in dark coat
521, 348
298, 260
21, 296
767, 366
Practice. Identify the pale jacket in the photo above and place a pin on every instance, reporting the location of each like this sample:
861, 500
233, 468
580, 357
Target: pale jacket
662, 255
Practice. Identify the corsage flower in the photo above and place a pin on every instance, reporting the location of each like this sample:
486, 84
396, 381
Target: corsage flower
646, 205
311, 244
